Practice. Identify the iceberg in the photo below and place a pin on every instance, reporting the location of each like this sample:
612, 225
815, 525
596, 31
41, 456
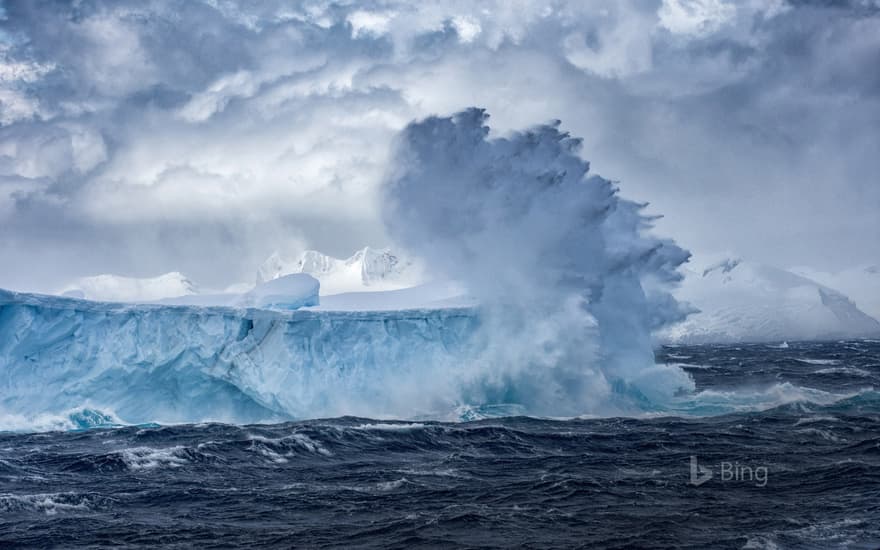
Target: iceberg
168, 363
66, 362
288, 292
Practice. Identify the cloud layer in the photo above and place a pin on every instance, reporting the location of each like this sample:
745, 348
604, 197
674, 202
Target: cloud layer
146, 137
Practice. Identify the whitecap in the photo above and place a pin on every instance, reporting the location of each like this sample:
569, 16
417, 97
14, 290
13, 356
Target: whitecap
146, 458
46, 503
392, 427
819, 361
844, 370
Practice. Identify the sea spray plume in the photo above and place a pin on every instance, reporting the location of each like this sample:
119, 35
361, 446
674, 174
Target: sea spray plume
570, 284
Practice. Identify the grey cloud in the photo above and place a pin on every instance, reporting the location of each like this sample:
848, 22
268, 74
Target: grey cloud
143, 137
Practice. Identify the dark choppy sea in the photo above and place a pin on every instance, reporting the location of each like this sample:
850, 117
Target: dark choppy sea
801, 474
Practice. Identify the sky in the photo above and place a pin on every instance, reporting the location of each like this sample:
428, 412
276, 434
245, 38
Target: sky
143, 137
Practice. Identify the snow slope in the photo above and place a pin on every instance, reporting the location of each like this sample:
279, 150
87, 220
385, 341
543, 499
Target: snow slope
115, 288
437, 295
368, 269
747, 301
862, 284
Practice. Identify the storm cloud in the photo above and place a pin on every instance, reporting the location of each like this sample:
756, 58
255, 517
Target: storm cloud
143, 137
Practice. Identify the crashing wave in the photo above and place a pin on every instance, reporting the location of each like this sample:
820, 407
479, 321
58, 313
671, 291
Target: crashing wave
570, 281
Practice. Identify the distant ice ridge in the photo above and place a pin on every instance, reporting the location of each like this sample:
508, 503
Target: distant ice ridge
289, 292
368, 269
862, 284
744, 301
371, 279
116, 288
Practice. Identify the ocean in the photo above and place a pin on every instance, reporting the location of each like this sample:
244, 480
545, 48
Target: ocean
779, 448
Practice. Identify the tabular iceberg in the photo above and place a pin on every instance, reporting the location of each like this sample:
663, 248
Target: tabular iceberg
160, 363
168, 364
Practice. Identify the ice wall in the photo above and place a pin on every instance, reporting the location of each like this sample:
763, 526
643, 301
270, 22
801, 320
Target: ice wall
152, 363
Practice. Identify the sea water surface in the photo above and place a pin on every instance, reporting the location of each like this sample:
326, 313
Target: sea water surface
780, 448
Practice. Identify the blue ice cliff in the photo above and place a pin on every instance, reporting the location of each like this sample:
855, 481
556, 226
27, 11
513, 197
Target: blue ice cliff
159, 363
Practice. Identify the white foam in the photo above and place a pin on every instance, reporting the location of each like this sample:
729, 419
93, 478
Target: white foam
819, 361
46, 503
392, 427
146, 458
758, 399
310, 444
853, 371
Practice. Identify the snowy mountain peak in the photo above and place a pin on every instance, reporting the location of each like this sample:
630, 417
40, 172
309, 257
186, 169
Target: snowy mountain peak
313, 262
377, 264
